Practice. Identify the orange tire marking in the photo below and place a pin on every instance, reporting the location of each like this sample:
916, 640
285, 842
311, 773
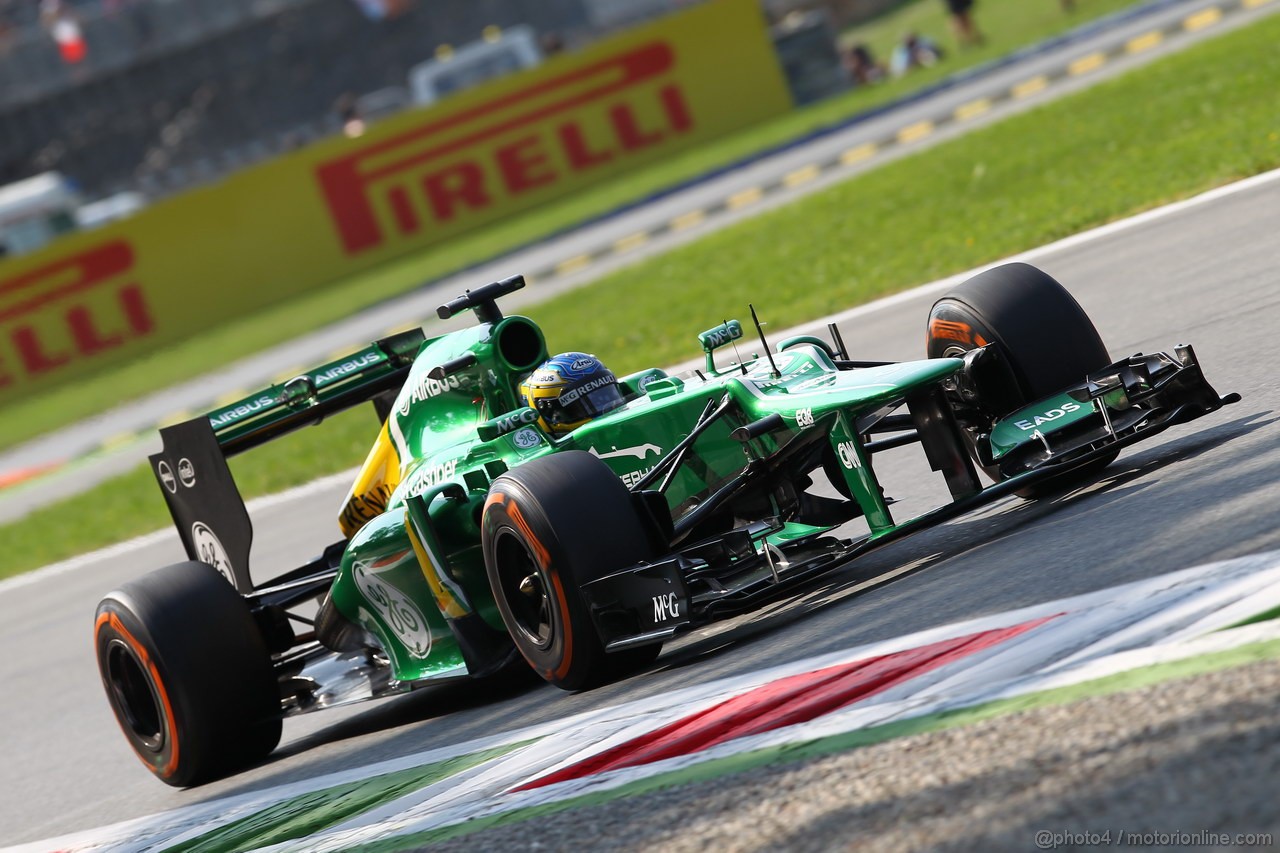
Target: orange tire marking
114, 621
954, 330
543, 556
540, 550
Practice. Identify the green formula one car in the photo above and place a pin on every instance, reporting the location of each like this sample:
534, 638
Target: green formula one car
518, 510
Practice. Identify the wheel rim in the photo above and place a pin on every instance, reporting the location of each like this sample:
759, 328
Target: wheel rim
134, 696
524, 589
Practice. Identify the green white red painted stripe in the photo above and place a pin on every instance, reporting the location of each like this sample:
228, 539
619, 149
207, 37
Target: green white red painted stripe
825, 703
788, 701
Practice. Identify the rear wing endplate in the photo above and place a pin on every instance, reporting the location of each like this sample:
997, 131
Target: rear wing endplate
192, 470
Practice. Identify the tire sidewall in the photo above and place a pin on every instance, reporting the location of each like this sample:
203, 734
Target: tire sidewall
1047, 340
117, 626
578, 523
203, 657
510, 512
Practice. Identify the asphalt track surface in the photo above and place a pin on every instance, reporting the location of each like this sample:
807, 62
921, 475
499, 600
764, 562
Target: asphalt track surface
623, 239
1204, 273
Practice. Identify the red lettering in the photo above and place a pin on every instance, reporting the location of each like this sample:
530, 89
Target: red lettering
578, 150
34, 358
135, 310
403, 210
524, 165
354, 184
677, 110
86, 336
93, 328
628, 129
65, 277
463, 183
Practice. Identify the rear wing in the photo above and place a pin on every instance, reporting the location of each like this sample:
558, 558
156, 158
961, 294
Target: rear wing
192, 470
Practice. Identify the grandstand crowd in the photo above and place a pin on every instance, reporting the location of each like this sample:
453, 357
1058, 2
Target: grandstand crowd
157, 95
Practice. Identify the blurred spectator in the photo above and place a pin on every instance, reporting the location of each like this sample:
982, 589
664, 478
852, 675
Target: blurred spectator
961, 12
915, 51
64, 27
382, 10
550, 43
349, 114
861, 65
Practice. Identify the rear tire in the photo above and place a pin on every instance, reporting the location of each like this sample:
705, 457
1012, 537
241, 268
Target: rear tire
187, 674
1046, 338
549, 527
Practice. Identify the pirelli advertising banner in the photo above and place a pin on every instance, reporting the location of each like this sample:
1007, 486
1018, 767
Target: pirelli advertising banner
344, 205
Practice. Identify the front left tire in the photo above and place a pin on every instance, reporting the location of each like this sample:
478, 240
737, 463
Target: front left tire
550, 526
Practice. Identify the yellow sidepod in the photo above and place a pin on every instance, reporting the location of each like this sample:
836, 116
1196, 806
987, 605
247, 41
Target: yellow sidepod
378, 478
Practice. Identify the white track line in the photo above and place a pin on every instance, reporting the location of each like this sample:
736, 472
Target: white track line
1073, 241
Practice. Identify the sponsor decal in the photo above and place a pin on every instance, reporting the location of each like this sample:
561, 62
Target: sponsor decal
814, 382
428, 475
166, 477
636, 476
363, 508
401, 616
573, 365
720, 335
186, 472
526, 438
666, 607
241, 410
425, 389
514, 420
585, 388
69, 311
804, 417
1046, 417
466, 163
341, 370
848, 452
544, 377
209, 550
640, 451
955, 330
791, 367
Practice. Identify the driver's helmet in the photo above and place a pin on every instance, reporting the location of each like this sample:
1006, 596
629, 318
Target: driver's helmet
570, 389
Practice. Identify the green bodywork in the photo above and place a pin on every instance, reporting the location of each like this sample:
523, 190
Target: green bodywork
1026, 424
418, 564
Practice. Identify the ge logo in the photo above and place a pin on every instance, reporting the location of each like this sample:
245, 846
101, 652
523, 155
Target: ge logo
209, 550
526, 438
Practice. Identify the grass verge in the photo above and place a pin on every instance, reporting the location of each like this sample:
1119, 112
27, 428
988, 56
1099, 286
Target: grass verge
1190, 122
1008, 25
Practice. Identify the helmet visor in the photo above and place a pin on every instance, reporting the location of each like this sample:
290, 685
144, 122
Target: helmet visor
590, 399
